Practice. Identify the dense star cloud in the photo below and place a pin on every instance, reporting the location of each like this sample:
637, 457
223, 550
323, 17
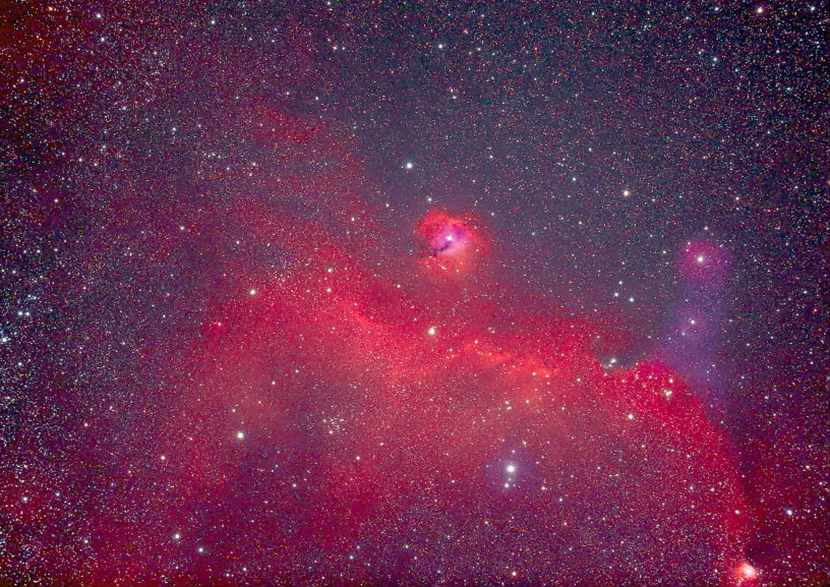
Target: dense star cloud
357, 293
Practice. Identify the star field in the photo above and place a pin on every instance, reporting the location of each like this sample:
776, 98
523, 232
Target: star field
440, 293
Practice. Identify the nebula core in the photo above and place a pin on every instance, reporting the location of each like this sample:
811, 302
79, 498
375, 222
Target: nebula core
368, 294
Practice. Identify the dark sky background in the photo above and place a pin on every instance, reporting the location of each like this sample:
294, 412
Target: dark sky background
264, 263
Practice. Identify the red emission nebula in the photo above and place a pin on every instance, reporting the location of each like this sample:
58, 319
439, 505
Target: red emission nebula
371, 412
361, 416
441, 397
414, 293
366, 416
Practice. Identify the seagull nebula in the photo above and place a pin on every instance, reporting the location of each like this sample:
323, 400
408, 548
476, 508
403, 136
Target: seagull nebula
383, 293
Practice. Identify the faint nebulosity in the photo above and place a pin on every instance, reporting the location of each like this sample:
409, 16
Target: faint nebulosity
394, 293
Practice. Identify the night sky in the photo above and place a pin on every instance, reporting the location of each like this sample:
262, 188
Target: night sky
393, 293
